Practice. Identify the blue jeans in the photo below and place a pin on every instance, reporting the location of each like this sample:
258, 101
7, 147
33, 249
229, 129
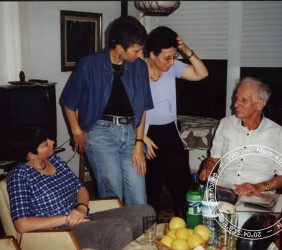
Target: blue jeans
109, 152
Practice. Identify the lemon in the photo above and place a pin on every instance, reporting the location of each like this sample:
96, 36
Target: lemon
171, 233
178, 244
166, 240
203, 231
176, 222
194, 240
183, 233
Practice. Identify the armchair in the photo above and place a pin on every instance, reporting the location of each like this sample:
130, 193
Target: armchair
9, 243
47, 239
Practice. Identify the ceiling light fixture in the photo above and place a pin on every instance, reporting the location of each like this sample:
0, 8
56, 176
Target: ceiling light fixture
156, 8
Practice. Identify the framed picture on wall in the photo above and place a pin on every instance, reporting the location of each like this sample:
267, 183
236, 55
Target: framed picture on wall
81, 34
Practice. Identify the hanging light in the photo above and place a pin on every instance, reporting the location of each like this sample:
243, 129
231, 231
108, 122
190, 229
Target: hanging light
156, 8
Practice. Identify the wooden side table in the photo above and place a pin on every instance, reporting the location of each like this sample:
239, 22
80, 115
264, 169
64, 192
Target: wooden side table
133, 245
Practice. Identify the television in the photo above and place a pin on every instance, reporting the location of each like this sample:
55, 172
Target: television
205, 98
26, 106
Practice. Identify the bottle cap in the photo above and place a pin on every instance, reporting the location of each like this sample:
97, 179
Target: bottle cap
195, 176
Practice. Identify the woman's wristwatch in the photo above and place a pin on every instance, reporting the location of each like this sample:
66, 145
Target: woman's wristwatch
83, 204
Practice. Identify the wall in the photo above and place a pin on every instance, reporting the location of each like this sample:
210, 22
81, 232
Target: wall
10, 49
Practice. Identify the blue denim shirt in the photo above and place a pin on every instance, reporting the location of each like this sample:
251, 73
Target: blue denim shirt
89, 87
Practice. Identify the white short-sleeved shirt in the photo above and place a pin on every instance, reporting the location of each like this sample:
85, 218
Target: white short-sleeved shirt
247, 156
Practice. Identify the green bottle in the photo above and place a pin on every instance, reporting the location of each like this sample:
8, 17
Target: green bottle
194, 198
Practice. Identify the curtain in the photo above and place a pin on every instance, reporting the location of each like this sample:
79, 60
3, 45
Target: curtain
10, 44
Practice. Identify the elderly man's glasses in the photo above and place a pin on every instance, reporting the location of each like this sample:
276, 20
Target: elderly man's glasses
170, 58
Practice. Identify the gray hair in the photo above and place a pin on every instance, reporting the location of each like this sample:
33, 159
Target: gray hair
263, 90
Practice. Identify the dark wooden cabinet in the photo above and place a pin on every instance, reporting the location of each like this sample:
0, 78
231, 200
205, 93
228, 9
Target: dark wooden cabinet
26, 106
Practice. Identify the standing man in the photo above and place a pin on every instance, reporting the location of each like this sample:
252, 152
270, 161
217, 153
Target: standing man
110, 90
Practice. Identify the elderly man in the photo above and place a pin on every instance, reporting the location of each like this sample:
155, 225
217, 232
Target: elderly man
247, 146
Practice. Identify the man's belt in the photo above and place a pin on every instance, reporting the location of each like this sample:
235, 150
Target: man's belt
119, 120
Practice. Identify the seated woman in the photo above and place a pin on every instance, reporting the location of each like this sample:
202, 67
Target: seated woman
44, 193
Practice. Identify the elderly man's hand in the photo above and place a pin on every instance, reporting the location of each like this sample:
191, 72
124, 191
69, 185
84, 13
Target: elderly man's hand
248, 189
205, 173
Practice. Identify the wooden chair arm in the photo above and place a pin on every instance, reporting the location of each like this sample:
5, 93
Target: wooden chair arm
98, 205
9, 243
49, 239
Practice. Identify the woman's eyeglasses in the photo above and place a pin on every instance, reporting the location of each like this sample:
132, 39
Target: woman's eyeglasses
170, 58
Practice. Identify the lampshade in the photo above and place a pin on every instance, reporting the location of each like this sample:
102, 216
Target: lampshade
156, 8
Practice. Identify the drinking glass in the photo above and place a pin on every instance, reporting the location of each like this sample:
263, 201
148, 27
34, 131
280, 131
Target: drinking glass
229, 229
149, 228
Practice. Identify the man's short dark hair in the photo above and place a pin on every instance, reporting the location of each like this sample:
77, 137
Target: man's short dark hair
126, 31
160, 38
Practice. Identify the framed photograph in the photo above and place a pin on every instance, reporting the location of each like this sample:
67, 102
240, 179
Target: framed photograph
81, 34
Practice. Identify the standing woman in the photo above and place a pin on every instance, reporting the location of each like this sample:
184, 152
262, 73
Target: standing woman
110, 89
165, 151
